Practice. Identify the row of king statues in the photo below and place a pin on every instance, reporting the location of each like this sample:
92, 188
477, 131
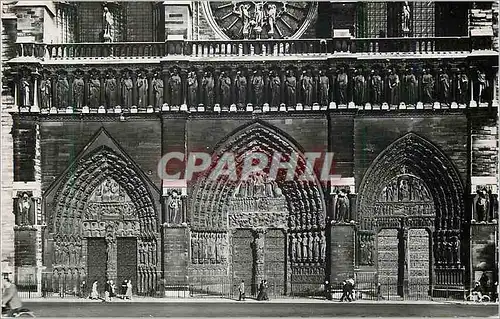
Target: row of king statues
240, 87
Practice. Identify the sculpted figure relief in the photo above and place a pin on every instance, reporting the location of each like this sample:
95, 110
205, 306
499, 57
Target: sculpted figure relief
127, 86
307, 88
359, 87
291, 88
428, 86
175, 88
157, 84
342, 206
225, 89
324, 88
463, 87
62, 90
393, 82
110, 90
241, 89
342, 80
482, 208
258, 88
78, 91
24, 207
192, 83
174, 208
411, 86
275, 89
482, 85
94, 90
294, 247
142, 90
46, 91
444, 86
25, 92
376, 86
208, 89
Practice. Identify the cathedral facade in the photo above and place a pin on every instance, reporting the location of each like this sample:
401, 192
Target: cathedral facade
404, 95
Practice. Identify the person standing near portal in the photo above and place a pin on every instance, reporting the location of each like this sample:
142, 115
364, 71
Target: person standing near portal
241, 290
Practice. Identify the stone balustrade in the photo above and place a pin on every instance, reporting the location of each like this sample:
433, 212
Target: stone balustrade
273, 47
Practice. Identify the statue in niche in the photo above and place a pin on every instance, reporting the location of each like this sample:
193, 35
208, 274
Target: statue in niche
110, 90
78, 90
108, 25
376, 86
411, 86
25, 92
142, 89
316, 247
127, 86
305, 249
208, 89
463, 87
291, 88
393, 83
482, 85
275, 89
204, 243
369, 250
175, 88
324, 88
46, 91
25, 209
244, 13
225, 89
405, 19
94, 90
258, 88
342, 81
310, 246
300, 253
192, 83
307, 87
482, 203
174, 205
428, 86
62, 90
157, 84
456, 250
211, 245
359, 87
294, 247
342, 206
444, 86
241, 89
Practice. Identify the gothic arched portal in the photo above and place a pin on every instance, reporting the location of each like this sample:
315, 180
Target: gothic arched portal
103, 221
410, 211
272, 228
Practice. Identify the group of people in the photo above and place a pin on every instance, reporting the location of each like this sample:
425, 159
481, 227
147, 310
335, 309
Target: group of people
262, 295
110, 290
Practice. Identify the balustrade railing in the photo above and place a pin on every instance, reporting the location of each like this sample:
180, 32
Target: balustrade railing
222, 48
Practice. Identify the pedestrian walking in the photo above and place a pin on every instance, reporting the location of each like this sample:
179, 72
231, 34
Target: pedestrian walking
94, 294
241, 290
128, 293
107, 291
83, 289
124, 288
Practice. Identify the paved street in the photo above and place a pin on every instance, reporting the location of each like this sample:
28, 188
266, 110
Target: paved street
275, 308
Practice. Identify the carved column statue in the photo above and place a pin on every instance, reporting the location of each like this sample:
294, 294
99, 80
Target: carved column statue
157, 84
175, 88
257, 88
307, 88
110, 89
241, 88
94, 90
225, 89
359, 87
393, 85
142, 89
127, 87
78, 90
275, 88
324, 88
444, 86
376, 84
24, 209
463, 87
25, 92
342, 85
46, 91
411, 87
427, 86
208, 90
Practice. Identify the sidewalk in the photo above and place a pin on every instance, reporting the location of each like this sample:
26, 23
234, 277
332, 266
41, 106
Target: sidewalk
226, 300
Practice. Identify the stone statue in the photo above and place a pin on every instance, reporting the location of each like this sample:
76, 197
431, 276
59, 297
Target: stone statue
405, 21
294, 247
482, 85
304, 249
110, 90
323, 246
411, 86
310, 246
78, 91
225, 89
142, 90
307, 88
342, 206
444, 86
127, 86
271, 18
291, 88
463, 87
208, 89
324, 88
275, 89
456, 250
175, 88
157, 84
108, 25
359, 87
482, 206
258, 88
192, 83
404, 190
62, 91
25, 92
393, 83
241, 89
342, 81
258, 20
244, 14
24, 209
46, 92
316, 247
428, 87
174, 208
94, 91
376, 86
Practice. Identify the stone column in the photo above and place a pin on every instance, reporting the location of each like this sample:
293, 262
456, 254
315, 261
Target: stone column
111, 260
259, 262
35, 107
